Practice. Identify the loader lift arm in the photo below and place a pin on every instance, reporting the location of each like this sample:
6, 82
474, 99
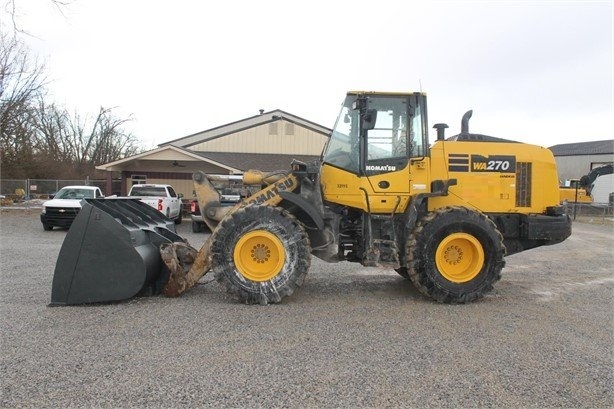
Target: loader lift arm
586, 181
186, 265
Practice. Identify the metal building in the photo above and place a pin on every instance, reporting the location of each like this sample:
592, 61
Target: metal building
268, 141
575, 160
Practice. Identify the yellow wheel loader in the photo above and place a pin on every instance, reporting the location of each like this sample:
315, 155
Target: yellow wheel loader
579, 190
441, 215
574, 193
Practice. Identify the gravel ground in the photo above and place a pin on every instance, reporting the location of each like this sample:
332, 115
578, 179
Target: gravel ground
350, 337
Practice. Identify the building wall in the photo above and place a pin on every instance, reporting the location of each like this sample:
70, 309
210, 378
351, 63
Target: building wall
181, 182
281, 137
185, 187
574, 167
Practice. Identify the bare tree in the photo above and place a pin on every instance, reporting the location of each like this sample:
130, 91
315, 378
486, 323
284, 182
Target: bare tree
21, 85
108, 140
78, 144
42, 140
10, 9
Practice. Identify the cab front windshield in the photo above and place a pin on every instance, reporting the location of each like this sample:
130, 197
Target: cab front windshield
74, 193
397, 134
342, 149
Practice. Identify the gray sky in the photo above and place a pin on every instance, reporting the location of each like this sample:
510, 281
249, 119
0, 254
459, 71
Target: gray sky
532, 71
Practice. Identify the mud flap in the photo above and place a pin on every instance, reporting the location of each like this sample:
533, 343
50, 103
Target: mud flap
111, 253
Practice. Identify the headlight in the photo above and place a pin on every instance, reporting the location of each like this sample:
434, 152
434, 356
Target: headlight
44, 210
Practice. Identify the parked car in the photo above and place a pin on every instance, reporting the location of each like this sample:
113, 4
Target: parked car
197, 219
228, 197
65, 205
160, 197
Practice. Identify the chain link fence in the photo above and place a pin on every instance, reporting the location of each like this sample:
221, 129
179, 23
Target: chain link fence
16, 190
28, 189
600, 213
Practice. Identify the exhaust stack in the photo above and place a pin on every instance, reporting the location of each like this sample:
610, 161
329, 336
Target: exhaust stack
465, 122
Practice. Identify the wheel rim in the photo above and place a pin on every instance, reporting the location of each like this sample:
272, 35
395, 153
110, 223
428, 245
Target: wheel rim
259, 255
459, 257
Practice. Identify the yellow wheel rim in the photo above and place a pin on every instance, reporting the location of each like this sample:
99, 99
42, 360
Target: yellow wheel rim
459, 257
259, 255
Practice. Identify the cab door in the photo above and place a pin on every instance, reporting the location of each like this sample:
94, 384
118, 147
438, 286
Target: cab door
396, 136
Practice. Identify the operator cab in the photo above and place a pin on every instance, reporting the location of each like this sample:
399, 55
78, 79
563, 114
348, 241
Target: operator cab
378, 132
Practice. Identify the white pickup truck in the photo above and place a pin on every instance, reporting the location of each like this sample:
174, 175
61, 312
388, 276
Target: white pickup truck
160, 197
64, 206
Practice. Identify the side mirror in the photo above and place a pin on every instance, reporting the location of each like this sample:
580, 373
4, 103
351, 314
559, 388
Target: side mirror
368, 119
180, 195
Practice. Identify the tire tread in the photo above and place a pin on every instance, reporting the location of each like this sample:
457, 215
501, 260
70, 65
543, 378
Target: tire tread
417, 263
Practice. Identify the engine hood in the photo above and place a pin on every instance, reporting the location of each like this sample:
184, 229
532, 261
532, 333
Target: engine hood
63, 203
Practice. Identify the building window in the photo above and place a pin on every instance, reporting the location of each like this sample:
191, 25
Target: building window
273, 128
289, 128
138, 179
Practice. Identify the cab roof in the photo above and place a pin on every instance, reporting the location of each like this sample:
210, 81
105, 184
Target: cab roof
385, 93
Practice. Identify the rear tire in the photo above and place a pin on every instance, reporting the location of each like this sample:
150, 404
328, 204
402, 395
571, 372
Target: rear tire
47, 227
179, 218
260, 254
454, 255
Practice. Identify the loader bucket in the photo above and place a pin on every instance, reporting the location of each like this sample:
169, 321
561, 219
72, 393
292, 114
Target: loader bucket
111, 252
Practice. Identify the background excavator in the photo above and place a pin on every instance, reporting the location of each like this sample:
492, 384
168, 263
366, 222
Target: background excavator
443, 216
579, 190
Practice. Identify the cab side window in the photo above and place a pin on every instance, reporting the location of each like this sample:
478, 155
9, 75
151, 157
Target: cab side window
388, 139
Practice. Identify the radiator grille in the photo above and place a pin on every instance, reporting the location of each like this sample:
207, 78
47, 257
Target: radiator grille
62, 213
523, 184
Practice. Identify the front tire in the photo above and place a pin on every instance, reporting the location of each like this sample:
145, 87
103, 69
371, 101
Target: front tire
260, 254
454, 255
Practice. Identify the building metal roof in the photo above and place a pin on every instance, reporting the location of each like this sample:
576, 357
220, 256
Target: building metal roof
266, 162
584, 148
233, 162
243, 124
152, 155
